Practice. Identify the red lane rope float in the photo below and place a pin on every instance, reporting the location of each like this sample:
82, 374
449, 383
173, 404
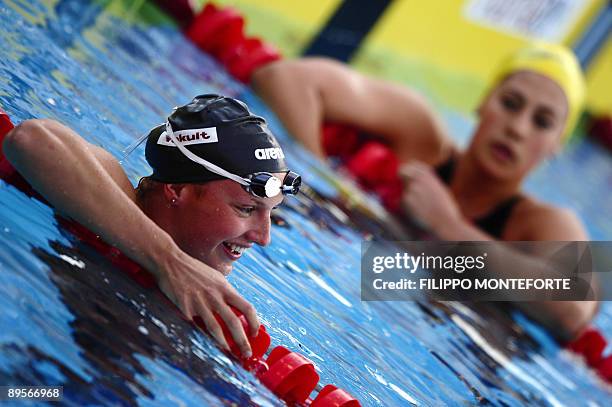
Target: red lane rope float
248, 55
376, 167
215, 29
220, 32
7, 172
339, 140
289, 375
5, 125
591, 344
259, 343
114, 255
604, 368
292, 377
374, 163
330, 396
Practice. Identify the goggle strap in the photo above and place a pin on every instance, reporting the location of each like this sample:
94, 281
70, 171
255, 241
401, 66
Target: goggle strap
199, 160
129, 149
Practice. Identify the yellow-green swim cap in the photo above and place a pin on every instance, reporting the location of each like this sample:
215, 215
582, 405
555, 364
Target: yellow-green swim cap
557, 63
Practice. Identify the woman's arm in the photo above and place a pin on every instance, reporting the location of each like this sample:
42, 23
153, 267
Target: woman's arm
565, 319
87, 184
430, 202
546, 223
307, 92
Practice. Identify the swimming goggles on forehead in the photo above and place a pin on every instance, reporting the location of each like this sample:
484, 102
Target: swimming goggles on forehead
259, 184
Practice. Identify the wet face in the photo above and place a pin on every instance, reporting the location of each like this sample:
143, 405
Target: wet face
218, 223
521, 122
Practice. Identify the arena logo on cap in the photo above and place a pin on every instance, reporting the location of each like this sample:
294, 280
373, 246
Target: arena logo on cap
272, 153
190, 136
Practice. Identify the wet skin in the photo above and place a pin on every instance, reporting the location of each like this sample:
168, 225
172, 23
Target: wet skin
521, 123
221, 220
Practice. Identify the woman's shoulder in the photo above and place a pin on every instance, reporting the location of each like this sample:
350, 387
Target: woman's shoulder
114, 169
532, 219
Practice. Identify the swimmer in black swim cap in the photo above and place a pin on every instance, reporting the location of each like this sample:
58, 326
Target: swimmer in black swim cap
228, 163
218, 173
216, 138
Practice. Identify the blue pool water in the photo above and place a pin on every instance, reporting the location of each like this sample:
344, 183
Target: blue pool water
69, 318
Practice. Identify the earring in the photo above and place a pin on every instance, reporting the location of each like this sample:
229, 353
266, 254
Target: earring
173, 202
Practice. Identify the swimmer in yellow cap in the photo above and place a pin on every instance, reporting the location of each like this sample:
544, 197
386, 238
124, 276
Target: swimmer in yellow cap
556, 63
470, 195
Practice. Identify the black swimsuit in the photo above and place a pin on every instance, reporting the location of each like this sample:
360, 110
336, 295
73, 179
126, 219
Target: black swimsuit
495, 221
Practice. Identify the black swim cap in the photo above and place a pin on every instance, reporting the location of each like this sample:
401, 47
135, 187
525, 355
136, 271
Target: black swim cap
220, 130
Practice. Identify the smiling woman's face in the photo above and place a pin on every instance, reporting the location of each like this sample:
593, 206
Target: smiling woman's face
216, 222
521, 122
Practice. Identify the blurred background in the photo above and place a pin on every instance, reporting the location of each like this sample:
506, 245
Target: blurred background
451, 47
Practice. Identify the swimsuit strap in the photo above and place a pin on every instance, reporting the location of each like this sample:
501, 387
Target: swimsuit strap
493, 222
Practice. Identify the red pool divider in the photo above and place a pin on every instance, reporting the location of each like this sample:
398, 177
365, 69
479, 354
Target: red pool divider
291, 376
216, 29
5, 125
330, 395
374, 163
590, 345
604, 368
376, 168
7, 172
339, 140
246, 56
220, 32
259, 343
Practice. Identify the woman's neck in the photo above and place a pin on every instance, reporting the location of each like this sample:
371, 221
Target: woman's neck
476, 191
